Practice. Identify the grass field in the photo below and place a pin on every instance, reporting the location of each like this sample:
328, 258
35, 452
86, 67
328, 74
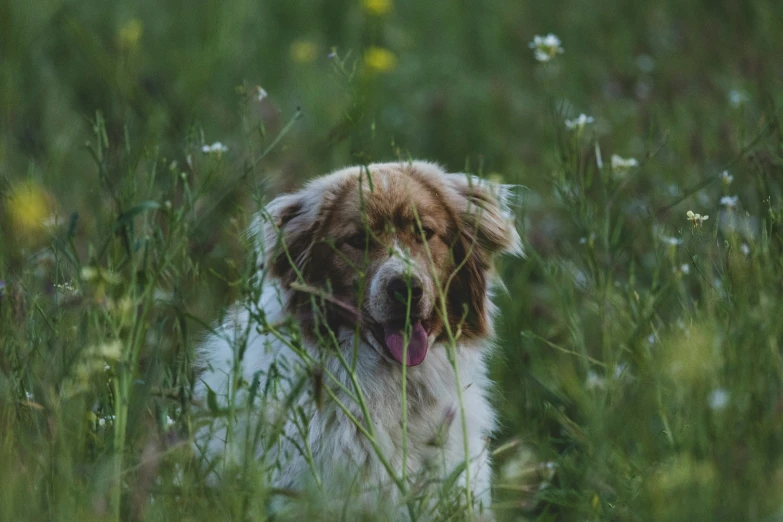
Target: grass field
641, 369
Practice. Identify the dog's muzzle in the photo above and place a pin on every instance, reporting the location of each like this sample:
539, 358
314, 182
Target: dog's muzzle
400, 307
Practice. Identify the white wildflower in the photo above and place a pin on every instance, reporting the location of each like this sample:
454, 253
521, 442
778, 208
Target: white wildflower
685, 268
622, 165
726, 178
645, 63
642, 90
671, 241
546, 47
594, 380
718, 399
169, 421
589, 240
52, 221
729, 201
579, 122
109, 419
66, 288
29, 396
260, 93
598, 159
737, 97
547, 470
681, 325
651, 339
216, 147
745, 249
696, 219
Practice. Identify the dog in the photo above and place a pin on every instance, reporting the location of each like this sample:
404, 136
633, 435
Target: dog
375, 292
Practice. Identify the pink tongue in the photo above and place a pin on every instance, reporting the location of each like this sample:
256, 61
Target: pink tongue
417, 346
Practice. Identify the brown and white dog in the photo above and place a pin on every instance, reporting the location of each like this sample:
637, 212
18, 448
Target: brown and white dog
386, 271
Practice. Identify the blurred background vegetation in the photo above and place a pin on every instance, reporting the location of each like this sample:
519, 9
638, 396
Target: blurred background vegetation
640, 364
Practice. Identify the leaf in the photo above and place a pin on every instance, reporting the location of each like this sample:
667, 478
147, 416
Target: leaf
449, 481
72, 225
212, 401
127, 216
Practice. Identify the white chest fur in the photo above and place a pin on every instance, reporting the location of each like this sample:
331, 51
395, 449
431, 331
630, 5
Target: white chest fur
305, 436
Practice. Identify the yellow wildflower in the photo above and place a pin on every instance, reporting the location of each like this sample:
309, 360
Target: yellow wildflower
111, 350
121, 309
679, 477
495, 177
28, 208
93, 360
129, 34
377, 7
100, 279
304, 51
379, 59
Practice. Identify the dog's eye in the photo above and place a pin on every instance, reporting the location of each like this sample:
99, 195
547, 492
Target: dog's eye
357, 240
428, 233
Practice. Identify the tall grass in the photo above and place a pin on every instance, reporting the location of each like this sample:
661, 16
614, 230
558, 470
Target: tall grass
639, 373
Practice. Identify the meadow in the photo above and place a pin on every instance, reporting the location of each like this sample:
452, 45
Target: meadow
639, 371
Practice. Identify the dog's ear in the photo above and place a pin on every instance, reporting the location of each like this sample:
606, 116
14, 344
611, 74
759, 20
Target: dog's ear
485, 218
485, 228
288, 225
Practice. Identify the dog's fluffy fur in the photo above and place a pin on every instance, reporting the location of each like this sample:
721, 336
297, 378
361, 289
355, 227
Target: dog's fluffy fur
393, 222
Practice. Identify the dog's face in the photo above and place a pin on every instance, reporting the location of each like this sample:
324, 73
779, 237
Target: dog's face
403, 248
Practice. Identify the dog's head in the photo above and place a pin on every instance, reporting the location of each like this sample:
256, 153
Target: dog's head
405, 249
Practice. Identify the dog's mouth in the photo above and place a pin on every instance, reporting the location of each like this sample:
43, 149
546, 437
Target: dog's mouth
394, 335
391, 334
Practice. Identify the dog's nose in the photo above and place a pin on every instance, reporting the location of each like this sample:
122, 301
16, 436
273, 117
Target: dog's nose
398, 288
